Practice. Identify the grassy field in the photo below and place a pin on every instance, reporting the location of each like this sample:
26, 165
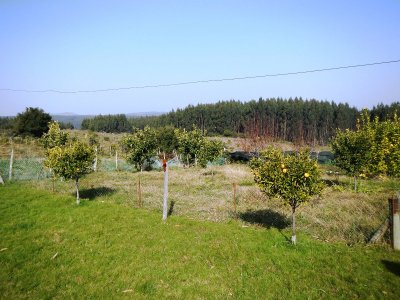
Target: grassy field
339, 215
51, 248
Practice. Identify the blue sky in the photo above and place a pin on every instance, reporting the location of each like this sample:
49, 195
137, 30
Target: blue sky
89, 45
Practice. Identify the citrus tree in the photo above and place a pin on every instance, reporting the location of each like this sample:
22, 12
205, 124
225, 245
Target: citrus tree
54, 137
372, 149
294, 178
140, 146
189, 144
71, 162
210, 150
352, 152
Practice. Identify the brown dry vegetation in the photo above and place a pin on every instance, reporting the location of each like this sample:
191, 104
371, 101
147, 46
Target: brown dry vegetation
338, 215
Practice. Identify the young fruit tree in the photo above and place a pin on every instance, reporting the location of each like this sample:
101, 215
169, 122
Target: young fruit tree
71, 162
54, 137
293, 178
372, 149
210, 150
352, 152
140, 146
190, 143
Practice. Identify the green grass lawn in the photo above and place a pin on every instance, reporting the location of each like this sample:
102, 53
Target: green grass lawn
51, 248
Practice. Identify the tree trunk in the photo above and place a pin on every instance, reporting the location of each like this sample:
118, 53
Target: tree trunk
77, 191
293, 225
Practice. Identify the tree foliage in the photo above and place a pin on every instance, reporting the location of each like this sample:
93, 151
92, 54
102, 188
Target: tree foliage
167, 141
372, 149
140, 146
210, 150
293, 178
190, 143
295, 120
32, 122
71, 162
110, 123
67, 159
54, 137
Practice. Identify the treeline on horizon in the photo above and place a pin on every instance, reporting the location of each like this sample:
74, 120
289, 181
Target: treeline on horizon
295, 120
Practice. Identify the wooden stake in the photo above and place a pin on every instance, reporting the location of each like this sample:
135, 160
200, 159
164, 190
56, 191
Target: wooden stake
165, 200
95, 160
139, 193
234, 198
11, 164
116, 160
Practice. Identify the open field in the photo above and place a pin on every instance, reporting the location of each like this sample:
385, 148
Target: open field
51, 248
339, 215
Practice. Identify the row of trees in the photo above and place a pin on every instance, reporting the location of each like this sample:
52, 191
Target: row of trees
373, 148
370, 150
72, 159
295, 120
110, 123
192, 146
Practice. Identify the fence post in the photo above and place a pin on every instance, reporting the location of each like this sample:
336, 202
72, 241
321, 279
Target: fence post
11, 164
234, 198
95, 160
139, 192
116, 160
394, 205
165, 200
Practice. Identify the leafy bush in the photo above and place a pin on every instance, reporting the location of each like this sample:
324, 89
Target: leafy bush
293, 178
33, 122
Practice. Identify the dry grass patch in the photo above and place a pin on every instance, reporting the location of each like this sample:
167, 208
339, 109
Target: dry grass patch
338, 215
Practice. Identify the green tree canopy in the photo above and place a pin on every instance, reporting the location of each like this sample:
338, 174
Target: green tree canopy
54, 137
33, 122
293, 178
372, 149
190, 143
140, 146
210, 150
71, 162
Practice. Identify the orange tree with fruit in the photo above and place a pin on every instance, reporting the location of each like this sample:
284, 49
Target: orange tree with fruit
294, 178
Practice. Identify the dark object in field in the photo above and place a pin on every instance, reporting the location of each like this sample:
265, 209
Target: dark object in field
242, 156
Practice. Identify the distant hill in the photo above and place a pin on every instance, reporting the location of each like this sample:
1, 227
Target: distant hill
76, 119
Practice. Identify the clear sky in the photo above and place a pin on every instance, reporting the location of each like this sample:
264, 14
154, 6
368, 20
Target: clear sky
88, 45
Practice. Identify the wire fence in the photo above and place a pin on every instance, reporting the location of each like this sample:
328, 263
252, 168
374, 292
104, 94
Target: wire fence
33, 168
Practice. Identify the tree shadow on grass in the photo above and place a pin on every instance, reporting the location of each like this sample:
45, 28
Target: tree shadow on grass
93, 193
392, 266
171, 208
331, 182
266, 218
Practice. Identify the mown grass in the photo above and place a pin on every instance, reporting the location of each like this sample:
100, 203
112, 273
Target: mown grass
51, 248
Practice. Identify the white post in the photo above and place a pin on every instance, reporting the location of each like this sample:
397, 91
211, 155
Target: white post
116, 160
95, 160
396, 223
11, 164
165, 202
